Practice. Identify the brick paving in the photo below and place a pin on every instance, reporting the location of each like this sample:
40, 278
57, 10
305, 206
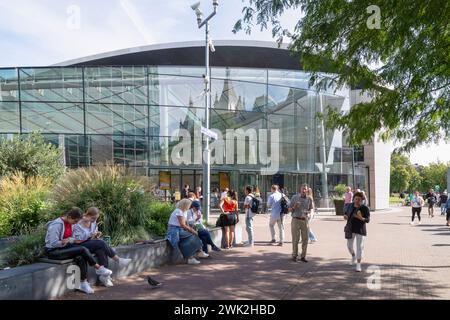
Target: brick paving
413, 263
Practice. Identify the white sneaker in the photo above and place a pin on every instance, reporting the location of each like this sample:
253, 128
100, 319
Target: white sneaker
420, 222
123, 262
358, 267
86, 287
106, 281
102, 271
202, 255
193, 261
412, 223
353, 261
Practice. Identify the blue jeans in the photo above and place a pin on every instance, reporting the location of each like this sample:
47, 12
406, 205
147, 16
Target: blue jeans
205, 236
249, 227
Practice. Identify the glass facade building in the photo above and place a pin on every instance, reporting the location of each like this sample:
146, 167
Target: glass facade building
134, 116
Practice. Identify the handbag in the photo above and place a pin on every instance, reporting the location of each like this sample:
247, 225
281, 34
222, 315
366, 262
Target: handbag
348, 227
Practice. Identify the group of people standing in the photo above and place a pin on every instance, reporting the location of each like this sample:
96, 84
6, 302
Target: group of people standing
417, 202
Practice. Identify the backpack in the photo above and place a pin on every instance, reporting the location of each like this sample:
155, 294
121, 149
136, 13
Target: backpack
254, 205
284, 205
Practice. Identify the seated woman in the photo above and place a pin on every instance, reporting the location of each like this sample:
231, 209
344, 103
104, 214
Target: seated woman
194, 220
182, 236
86, 234
59, 245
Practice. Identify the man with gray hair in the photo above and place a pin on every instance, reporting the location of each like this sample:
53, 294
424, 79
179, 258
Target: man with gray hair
300, 206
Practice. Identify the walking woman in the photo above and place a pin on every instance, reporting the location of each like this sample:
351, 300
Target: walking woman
357, 218
416, 205
447, 210
229, 217
431, 199
86, 234
59, 245
311, 235
182, 236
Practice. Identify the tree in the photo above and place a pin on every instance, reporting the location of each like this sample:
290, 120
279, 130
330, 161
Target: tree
433, 175
30, 155
404, 64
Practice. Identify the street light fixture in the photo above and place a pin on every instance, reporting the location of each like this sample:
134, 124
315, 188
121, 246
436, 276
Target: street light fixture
206, 152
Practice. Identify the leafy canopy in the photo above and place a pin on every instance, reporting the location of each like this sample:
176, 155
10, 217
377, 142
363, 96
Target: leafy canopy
404, 65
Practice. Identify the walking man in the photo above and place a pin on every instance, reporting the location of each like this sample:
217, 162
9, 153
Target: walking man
276, 216
300, 206
251, 205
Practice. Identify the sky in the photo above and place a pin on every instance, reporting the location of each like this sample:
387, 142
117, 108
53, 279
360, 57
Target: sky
45, 32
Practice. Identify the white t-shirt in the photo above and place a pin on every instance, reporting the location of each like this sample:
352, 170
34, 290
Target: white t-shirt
173, 220
248, 211
223, 195
417, 202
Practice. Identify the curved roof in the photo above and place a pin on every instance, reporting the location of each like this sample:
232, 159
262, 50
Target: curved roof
228, 53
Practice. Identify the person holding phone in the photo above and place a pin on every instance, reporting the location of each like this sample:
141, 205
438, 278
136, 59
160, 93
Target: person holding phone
86, 234
60, 245
357, 215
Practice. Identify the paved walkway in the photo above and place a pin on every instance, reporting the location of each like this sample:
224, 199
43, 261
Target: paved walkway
413, 262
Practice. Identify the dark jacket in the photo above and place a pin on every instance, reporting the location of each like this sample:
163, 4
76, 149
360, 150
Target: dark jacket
358, 226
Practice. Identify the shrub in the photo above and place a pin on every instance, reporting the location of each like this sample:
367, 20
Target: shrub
158, 214
119, 195
31, 155
340, 190
27, 249
22, 203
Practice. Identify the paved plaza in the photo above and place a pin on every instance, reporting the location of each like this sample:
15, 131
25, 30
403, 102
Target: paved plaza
412, 262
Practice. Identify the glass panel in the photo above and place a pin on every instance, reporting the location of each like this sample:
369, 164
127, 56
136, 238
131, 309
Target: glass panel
116, 119
8, 85
9, 117
242, 74
122, 85
177, 71
170, 90
51, 84
52, 117
164, 121
289, 78
234, 95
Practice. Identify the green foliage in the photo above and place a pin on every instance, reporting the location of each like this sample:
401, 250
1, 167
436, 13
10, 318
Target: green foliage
22, 203
119, 195
404, 176
158, 214
340, 189
434, 174
31, 155
403, 66
27, 249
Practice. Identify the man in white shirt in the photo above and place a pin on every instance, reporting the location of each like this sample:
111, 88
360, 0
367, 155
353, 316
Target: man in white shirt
274, 201
249, 214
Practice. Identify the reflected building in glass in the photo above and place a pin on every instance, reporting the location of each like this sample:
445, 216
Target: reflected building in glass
132, 108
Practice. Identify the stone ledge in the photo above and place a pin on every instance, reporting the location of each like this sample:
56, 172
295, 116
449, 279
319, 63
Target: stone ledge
43, 281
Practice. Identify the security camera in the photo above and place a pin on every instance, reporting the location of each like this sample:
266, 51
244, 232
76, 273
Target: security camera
211, 46
195, 6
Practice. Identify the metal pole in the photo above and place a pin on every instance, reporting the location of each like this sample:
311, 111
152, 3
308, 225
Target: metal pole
207, 152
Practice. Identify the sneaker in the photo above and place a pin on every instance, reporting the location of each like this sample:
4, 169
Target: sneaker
420, 222
153, 283
280, 244
412, 223
303, 260
202, 254
216, 249
353, 261
106, 281
123, 262
273, 241
358, 267
86, 287
102, 271
294, 259
193, 261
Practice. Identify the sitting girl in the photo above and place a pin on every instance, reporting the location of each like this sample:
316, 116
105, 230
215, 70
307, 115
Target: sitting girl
60, 245
86, 234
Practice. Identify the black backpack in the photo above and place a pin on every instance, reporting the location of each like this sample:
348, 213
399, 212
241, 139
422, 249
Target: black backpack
254, 205
284, 205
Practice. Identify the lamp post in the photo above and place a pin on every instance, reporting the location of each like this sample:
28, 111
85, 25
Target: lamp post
206, 152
